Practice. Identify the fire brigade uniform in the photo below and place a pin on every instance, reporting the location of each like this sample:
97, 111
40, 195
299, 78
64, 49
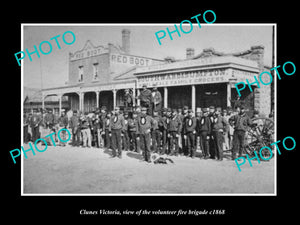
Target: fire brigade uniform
145, 124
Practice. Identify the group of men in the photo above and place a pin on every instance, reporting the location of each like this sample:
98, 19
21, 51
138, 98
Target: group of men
166, 131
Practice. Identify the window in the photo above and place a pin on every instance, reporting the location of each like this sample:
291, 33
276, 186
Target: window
80, 74
95, 71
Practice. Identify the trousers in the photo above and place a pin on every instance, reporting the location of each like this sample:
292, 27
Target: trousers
218, 141
86, 137
238, 142
116, 142
156, 138
204, 143
145, 145
190, 139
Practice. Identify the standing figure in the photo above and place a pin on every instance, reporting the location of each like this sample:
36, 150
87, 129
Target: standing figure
128, 100
219, 127
132, 129
145, 124
157, 132
164, 130
204, 126
86, 131
189, 130
174, 131
146, 99
117, 127
156, 100
62, 124
211, 138
240, 122
74, 125
35, 121
107, 130
125, 137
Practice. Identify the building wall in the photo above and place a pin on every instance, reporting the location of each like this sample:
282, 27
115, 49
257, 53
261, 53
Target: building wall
102, 64
262, 95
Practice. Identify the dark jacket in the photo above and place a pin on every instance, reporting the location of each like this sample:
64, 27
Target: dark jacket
220, 123
204, 124
74, 122
145, 96
117, 122
189, 125
63, 121
175, 124
145, 124
241, 122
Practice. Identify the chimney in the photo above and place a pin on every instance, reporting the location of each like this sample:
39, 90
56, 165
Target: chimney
190, 53
126, 40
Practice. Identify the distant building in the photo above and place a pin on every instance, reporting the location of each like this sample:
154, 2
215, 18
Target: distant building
32, 99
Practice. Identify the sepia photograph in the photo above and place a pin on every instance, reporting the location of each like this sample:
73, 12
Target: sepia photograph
111, 109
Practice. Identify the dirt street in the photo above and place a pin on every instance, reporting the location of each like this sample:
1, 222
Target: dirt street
75, 170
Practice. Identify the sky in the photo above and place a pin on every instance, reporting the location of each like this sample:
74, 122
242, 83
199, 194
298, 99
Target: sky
52, 70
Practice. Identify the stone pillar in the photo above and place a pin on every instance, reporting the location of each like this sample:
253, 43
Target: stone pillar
81, 97
138, 94
59, 101
133, 97
165, 97
228, 98
97, 98
193, 97
114, 98
43, 101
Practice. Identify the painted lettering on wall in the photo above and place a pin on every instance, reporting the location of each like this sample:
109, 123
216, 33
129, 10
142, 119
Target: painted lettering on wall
184, 78
130, 60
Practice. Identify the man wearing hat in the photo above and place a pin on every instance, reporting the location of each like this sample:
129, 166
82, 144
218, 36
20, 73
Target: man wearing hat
174, 131
156, 100
74, 125
189, 130
145, 124
204, 129
219, 127
146, 98
240, 122
117, 127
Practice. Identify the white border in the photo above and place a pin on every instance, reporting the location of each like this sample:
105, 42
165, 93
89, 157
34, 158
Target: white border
151, 24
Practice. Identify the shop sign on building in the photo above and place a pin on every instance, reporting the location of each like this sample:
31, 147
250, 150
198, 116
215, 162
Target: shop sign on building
184, 78
130, 60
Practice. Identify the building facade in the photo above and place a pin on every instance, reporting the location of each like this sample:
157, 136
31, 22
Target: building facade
98, 76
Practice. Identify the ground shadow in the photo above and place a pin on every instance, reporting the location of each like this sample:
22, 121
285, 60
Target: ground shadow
135, 155
107, 151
